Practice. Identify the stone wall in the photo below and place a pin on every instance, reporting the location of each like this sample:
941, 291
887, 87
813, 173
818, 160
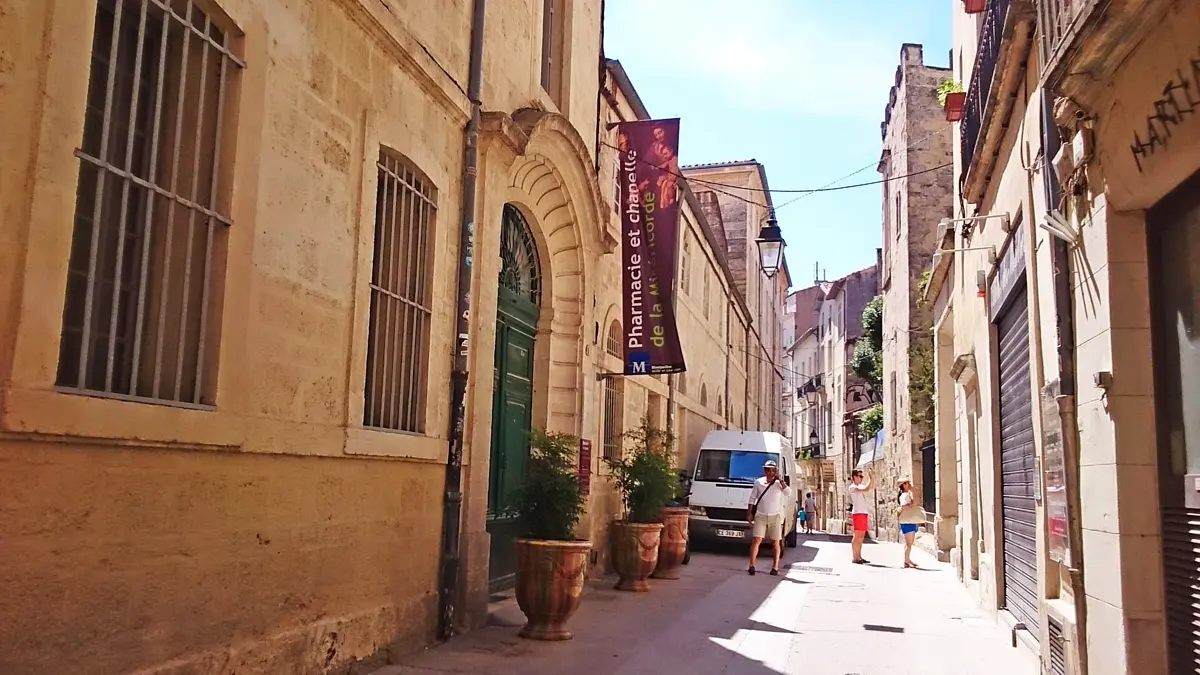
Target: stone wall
917, 138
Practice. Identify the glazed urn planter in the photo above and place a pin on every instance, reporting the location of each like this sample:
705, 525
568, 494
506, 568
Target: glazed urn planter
550, 578
672, 545
635, 554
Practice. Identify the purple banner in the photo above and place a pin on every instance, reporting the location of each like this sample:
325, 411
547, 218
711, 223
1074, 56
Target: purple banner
650, 238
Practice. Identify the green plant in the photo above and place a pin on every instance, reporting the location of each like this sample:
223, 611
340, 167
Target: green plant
947, 87
922, 287
920, 382
871, 421
549, 501
644, 475
867, 360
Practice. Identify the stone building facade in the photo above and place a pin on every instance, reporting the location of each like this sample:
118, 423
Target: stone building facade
711, 314
231, 244
916, 163
1064, 305
739, 194
831, 397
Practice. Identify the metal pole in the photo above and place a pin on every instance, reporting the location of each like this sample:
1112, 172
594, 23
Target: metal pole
452, 505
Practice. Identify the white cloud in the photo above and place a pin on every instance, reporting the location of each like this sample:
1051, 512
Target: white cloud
770, 55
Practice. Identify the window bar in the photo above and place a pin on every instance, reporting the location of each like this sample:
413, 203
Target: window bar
409, 331
423, 320
188, 26
125, 185
94, 252
214, 203
399, 325
388, 248
166, 273
151, 197
185, 289
403, 292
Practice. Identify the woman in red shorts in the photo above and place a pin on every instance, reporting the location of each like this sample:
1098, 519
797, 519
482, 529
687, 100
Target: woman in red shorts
859, 503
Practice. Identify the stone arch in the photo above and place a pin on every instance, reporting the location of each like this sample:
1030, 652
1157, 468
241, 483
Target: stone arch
552, 182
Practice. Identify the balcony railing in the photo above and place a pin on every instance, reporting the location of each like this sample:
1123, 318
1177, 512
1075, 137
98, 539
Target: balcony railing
1004, 44
1084, 42
1054, 19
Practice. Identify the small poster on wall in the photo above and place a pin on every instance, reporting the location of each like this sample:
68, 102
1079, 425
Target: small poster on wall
585, 466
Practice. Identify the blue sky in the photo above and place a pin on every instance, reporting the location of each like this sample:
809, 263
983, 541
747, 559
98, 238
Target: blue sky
799, 85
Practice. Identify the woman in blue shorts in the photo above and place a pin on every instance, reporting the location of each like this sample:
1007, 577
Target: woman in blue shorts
910, 516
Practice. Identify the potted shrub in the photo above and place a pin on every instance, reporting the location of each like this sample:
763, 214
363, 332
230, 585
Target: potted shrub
646, 482
551, 563
953, 99
673, 544
974, 6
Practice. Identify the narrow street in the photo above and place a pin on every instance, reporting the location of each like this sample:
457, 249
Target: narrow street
824, 616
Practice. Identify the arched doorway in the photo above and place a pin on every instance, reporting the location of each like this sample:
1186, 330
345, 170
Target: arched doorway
512, 398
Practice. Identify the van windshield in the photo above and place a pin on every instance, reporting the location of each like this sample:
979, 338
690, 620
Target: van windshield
734, 466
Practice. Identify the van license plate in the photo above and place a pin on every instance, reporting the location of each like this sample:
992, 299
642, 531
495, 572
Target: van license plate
732, 534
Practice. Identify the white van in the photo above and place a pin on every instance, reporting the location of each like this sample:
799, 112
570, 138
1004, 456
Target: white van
726, 467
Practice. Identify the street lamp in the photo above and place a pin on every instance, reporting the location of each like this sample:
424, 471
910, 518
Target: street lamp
813, 438
770, 247
810, 394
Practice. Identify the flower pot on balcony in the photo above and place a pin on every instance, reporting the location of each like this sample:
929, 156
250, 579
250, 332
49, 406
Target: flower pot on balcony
550, 576
672, 545
974, 6
635, 553
956, 104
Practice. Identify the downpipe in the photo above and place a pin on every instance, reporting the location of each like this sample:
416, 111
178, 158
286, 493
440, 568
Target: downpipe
452, 500
1060, 262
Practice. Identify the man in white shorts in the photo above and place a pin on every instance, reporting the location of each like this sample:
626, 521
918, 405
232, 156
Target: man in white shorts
765, 513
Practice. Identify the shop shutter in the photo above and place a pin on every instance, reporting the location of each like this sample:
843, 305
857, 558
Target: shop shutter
1017, 480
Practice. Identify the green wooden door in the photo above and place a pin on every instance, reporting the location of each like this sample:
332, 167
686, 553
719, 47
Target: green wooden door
512, 398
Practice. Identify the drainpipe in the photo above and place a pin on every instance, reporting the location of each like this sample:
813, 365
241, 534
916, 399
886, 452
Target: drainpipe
452, 502
728, 353
1060, 262
603, 77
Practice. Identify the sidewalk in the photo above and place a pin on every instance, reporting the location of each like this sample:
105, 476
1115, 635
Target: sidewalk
825, 616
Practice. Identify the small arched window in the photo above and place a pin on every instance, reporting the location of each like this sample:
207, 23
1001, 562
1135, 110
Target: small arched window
704, 395
721, 405
612, 344
683, 383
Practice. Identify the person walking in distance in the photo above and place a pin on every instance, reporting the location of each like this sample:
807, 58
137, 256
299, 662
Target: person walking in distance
859, 508
810, 512
765, 512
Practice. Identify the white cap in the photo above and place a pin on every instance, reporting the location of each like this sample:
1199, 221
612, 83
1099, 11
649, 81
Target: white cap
769, 464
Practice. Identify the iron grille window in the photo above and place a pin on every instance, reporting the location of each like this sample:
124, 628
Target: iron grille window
151, 213
612, 343
398, 337
613, 411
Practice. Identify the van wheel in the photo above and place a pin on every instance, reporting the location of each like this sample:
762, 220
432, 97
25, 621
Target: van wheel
791, 540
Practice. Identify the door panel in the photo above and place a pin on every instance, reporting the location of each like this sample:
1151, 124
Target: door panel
511, 421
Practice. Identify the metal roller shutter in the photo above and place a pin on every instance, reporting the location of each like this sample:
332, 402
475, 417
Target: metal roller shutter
1017, 480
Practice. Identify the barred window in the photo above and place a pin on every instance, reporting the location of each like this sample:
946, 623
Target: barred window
553, 51
685, 275
612, 344
146, 271
398, 334
614, 409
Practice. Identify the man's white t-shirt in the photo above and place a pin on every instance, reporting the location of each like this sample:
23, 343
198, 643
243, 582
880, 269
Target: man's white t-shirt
770, 502
810, 504
858, 499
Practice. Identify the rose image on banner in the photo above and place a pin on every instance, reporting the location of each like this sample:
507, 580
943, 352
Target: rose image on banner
649, 176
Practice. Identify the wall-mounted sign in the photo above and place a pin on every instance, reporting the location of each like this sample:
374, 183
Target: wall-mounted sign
585, 466
650, 233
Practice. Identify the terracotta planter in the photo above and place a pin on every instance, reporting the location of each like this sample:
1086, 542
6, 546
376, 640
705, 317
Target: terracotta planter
974, 6
956, 103
550, 576
672, 546
635, 553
